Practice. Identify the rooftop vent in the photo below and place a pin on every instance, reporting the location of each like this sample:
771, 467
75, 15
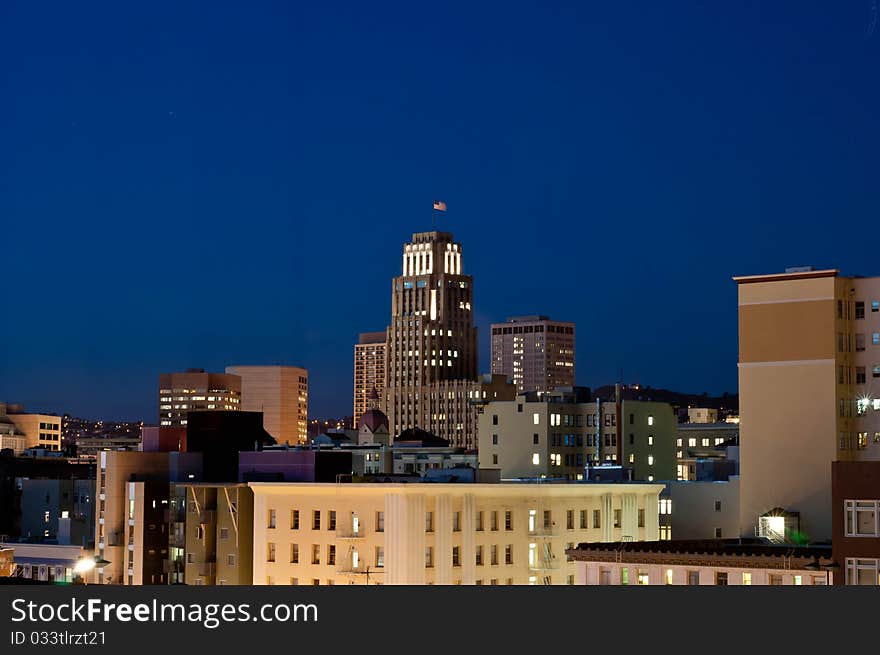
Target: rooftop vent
798, 269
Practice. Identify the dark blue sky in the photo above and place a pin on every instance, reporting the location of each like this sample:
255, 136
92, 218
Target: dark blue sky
201, 184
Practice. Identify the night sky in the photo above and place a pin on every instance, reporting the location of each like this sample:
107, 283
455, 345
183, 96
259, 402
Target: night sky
202, 184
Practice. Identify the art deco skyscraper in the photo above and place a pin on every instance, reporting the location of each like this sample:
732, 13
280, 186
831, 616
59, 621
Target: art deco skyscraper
432, 341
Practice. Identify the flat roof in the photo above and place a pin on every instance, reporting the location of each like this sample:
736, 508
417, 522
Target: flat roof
778, 277
510, 488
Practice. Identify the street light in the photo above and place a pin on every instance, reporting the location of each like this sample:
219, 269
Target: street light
85, 565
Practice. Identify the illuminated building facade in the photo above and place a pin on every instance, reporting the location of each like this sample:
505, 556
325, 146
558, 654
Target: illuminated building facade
432, 341
436, 533
196, 391
560, 432
39, 430
369, 370
809, 383
138, 517
281, 393
535, 353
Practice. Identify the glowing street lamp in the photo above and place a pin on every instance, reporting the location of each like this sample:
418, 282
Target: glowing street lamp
85, 565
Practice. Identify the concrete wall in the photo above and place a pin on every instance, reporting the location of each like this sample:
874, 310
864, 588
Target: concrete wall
694, 514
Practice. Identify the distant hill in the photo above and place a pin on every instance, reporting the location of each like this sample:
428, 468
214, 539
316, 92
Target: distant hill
726, 403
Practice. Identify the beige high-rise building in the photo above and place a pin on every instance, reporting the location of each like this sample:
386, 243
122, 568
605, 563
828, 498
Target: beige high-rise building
282, 394
39, 430
809, 389
444, 534
196, 391
369, 370
432, 341
535, 353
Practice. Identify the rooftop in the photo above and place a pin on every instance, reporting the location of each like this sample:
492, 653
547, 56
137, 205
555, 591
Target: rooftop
718, 551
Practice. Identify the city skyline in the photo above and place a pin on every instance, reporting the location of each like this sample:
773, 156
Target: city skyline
169, 202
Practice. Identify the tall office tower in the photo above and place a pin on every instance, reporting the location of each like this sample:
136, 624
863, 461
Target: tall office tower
809, 360
432, 341
196, 391
535, 353
282, 394
369, 370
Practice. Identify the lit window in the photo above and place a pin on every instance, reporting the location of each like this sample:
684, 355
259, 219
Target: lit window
747, 578
650, 420
536, 459
536, 418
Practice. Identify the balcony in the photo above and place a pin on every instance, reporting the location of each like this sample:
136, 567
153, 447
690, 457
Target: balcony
544, 565
350, 534
207, 569
348, 569
544, 532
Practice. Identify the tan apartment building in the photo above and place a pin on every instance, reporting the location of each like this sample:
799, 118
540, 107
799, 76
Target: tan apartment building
219, 534
39, 430
535, 353
369, 370
809, 372
281, 393
445, 534
558, 434
196, 391
432, 341
134, 507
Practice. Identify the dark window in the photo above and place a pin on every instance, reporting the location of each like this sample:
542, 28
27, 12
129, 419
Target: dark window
535, 438
494, 419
